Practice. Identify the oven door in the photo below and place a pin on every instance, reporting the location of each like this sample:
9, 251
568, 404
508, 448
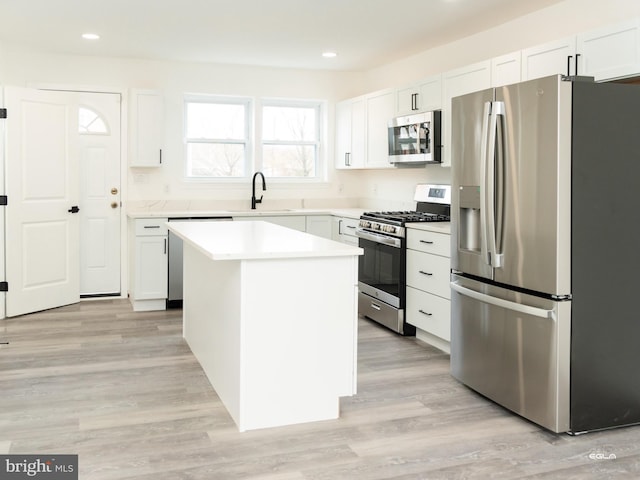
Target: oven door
381, 272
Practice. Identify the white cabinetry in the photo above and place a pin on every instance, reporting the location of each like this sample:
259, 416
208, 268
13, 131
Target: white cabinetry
428, 291
460, 82
148, 264
605, 53
344, 230
146, 129
610, 52
506, 69
552, 58
380, 109
420, 97
350, 133
319, 225
296, 222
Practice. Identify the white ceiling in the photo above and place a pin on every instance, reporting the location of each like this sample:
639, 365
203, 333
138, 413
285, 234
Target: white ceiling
280, 33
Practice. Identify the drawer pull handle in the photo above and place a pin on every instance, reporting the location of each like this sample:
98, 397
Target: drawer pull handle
425, 313
375, 307
152, 226
425, 273
428, 242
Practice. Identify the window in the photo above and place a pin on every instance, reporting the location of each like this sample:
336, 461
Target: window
290, 139
221, 144
90, 122
217, 137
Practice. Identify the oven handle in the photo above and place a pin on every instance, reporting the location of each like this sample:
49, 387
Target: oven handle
379, 238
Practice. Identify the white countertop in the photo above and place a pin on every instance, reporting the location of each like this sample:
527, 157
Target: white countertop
256, 240
179, 213
438, 227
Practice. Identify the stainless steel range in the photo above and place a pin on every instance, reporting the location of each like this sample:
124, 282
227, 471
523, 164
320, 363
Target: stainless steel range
382, 268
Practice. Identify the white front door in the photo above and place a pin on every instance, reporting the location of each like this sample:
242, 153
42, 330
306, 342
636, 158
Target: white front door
42, 230
100, 211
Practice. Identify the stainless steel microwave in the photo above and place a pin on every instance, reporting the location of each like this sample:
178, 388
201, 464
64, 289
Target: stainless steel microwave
415, 138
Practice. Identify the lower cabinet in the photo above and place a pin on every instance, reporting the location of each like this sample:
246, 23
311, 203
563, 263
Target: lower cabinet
319, 225
344, 230
428, 300
296, 222
148, 264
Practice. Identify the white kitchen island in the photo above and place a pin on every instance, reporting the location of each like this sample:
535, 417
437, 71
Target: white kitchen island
271, 315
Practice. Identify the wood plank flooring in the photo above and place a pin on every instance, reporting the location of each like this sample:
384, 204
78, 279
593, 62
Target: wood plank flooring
123, 391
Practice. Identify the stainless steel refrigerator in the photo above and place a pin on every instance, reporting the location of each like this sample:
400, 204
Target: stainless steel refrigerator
546, 250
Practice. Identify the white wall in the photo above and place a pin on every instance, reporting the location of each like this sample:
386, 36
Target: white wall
27, 68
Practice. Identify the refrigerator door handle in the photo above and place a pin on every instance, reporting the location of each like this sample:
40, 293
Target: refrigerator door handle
493, 257
485, 254
499, 302
497, 110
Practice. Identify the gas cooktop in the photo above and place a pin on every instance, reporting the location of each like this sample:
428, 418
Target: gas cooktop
402, 217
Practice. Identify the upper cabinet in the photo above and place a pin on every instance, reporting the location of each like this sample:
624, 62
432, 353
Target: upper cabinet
361, 131
381, 108
549, 59
420, 97
350, 133
506, 69
606, 53
460, 82
610, 52
146, 129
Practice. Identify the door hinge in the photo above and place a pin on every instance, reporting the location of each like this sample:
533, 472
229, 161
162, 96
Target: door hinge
3, 113
3, 200
4, 286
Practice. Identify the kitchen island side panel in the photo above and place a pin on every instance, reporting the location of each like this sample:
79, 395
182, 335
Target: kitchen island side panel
605, 386
211, 326
299, 332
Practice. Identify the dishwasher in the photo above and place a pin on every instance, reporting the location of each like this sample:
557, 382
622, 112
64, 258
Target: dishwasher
174, 297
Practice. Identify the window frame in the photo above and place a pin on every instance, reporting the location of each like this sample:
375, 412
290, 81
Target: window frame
320, 107
247, 102
253, 137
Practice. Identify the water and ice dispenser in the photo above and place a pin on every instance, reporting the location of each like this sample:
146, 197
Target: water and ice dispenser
469, 215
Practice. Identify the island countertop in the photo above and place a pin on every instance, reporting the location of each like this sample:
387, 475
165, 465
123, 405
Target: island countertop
253, 240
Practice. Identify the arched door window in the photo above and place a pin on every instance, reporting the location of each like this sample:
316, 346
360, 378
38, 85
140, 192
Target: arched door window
91, 122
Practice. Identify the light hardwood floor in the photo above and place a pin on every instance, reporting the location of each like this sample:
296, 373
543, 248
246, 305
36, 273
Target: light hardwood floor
123, 391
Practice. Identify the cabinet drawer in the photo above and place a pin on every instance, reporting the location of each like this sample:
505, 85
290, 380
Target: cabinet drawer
151, 226
348, 226
429, 313
430, 242
429, 272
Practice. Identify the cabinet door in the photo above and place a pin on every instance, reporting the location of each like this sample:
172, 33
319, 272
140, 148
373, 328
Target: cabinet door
350, 133
423, 96
506, 69
610, 52
555, 58
150, 267
147, 128
380, 109
319, 225
460, 82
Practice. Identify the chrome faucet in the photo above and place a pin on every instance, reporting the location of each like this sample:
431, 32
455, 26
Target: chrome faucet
255, 200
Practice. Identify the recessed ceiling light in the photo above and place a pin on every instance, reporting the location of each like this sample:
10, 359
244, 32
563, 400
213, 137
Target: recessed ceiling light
90, 36
329, 54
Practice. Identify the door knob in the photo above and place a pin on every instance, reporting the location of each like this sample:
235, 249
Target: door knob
114, 191
114, 204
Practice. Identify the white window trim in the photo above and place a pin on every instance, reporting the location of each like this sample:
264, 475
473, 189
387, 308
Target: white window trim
254, 135
248, 140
